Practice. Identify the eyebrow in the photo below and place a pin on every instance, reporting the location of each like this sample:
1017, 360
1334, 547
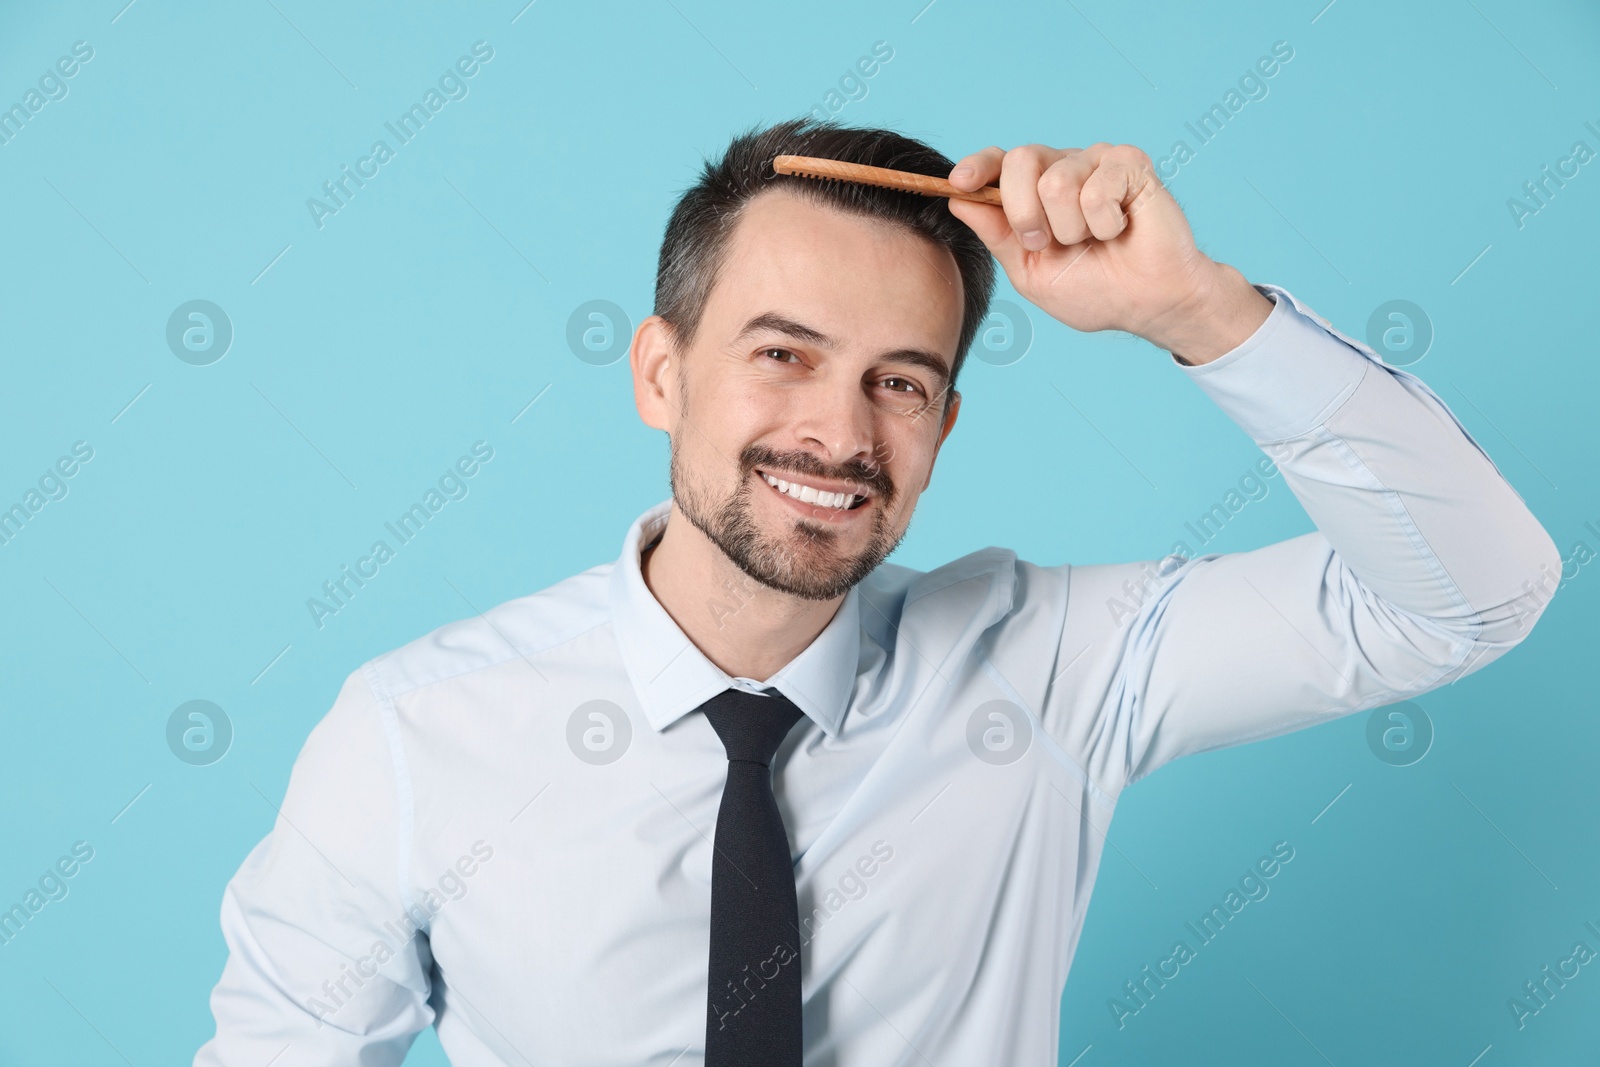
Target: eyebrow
773, 322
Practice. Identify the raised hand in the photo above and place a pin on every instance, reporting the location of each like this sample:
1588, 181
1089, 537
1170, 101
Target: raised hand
1092, 237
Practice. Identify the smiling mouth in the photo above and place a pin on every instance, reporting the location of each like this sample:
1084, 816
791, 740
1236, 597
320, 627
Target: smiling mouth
808, 494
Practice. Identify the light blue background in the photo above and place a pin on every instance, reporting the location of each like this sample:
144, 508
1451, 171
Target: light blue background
432, 309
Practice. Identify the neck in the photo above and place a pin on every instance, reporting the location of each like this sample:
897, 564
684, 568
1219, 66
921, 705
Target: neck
747, 629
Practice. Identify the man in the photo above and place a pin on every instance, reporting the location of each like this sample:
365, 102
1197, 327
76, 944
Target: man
750, 795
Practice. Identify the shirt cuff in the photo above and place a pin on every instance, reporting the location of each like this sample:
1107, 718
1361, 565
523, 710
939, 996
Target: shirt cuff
1288, 377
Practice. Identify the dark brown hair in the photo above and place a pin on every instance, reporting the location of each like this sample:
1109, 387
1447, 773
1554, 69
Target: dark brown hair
702, 223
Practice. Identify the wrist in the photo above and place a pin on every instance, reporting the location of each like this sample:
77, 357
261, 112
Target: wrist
1220, 315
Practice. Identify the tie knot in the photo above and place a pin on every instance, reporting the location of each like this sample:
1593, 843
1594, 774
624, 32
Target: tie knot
751, 725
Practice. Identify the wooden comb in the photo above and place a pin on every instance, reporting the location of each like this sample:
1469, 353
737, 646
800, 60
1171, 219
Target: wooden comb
905, 181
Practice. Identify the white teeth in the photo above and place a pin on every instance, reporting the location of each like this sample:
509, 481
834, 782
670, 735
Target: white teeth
809, 494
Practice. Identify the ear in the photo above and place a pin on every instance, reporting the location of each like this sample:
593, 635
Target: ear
949, 418
944, 431
655, 370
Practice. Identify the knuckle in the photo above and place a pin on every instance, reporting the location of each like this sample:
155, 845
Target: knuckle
1026, 155
1055, 182
1132, 154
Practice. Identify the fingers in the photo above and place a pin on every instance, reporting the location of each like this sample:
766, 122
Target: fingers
1060, 189
1115, 190
1088, 193
977, 170
1033, 207
989, 223
1019, 191
1061, 195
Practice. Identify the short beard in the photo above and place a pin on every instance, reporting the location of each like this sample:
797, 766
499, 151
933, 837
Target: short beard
809, 571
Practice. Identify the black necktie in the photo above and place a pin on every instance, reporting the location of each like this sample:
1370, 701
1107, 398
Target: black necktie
753, 992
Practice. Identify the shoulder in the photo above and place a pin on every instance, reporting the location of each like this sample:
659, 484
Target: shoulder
525, 626
966, 596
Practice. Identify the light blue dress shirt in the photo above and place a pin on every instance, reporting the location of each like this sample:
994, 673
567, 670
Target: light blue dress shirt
533, 789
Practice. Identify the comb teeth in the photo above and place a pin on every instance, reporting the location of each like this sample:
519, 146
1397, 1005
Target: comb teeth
825, 170
801, 173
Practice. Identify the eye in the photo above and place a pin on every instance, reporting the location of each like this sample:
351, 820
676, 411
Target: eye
902, 385
782, 352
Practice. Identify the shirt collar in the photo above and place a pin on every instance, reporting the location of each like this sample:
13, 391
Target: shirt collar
672, 677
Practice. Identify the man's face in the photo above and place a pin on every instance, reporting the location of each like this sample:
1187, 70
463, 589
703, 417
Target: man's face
811, 405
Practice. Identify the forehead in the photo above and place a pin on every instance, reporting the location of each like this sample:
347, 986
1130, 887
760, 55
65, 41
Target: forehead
858, 277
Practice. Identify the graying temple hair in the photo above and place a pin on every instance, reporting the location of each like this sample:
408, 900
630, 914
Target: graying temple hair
697, 235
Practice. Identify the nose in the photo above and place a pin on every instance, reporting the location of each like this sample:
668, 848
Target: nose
836, 419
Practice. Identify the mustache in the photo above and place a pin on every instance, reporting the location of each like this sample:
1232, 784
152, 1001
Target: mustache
861, 472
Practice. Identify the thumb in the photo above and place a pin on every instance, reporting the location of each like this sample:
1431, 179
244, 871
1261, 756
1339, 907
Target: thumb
990, 224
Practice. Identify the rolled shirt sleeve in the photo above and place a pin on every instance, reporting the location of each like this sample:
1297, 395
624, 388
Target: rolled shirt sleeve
321, 953
1425, 565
